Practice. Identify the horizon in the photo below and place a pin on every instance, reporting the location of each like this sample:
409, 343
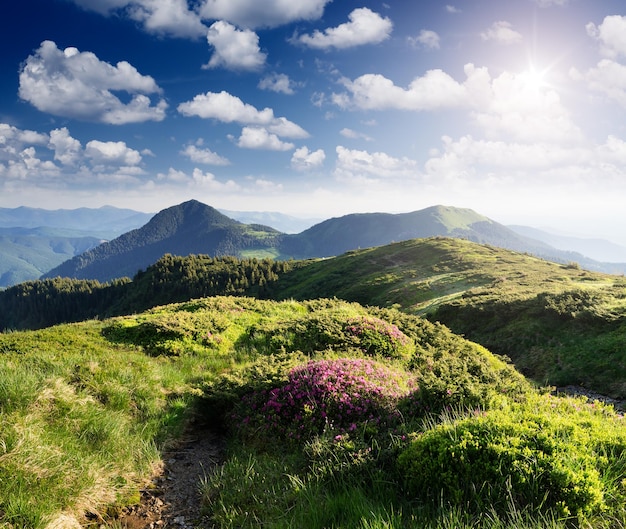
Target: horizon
514, 110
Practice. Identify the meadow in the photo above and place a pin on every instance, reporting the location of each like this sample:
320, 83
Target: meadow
333, 414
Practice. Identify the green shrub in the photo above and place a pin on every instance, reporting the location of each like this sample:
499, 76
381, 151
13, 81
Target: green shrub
516, 459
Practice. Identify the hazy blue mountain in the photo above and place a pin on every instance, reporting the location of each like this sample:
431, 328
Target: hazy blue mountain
598, 249
27, 253
106, 222
279, 221
193, 227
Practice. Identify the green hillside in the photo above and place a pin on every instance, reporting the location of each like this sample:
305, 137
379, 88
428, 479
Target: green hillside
559, 324
333, 415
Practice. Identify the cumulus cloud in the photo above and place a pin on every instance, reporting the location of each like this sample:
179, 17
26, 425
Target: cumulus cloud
12, 138
235, 49
426, 38
227, 108
204, 156
611, 33
510, 104
67, 150
75, 84
277, 82
355, 165
608, 78
255, 14
435, 89
305, 160
452, 9
364, 27
515, 106
260, 138
502, 32
162, 17
197, 179
104, 153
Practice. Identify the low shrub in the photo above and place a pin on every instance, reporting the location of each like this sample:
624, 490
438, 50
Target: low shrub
340, 395
515, 459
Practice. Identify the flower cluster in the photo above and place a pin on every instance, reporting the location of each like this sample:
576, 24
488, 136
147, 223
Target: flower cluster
209, 338
378, 337
339, 395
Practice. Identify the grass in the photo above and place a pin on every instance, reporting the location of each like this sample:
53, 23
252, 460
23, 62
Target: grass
559, 324
87, 409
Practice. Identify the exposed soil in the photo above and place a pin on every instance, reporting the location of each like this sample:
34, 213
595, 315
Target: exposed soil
172, 499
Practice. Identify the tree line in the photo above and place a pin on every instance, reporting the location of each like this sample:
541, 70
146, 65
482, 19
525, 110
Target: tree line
42, 303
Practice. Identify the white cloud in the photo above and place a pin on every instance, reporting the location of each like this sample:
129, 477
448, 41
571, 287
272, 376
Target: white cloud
277, 82
78, 85
67, 150
608, 78
235, 49
260, 138
205, 156
103, 153
503, 33
230, 109
436, 89
255, 14
364, 27
12, 138
168, 17
354, 135
197, 180
305, 160
452, 9
360, 166
514, 106
162, 17
427, 38
611, 33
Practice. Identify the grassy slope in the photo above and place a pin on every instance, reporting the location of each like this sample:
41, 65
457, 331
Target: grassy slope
85, 409
559, 324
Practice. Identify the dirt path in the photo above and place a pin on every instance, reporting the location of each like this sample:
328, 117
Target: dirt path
173, 499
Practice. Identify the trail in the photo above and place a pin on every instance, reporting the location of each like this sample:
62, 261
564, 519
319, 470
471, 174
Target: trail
173, 499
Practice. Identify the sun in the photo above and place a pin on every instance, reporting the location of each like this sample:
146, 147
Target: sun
534, 79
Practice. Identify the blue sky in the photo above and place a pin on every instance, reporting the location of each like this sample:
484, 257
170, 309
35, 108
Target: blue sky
319, 108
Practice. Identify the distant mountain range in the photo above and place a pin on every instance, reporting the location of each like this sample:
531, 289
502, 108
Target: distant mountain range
106, 243
196, 228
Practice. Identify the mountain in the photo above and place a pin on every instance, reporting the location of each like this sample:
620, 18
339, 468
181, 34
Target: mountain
27, 253
106, 222
365, 230
188, 228
279, 221
598, 249
193, 227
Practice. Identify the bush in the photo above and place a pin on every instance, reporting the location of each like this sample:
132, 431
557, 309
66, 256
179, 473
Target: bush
340, 395
512, 460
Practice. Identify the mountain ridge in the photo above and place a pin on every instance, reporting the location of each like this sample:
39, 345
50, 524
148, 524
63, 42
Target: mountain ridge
197, 228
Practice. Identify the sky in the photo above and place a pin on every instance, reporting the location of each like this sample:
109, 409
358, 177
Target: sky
319, 108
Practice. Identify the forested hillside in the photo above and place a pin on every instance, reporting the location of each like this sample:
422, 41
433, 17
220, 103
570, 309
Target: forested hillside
191, 228
560, 324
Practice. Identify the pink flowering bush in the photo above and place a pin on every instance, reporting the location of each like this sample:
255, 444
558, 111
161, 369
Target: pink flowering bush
340, 395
